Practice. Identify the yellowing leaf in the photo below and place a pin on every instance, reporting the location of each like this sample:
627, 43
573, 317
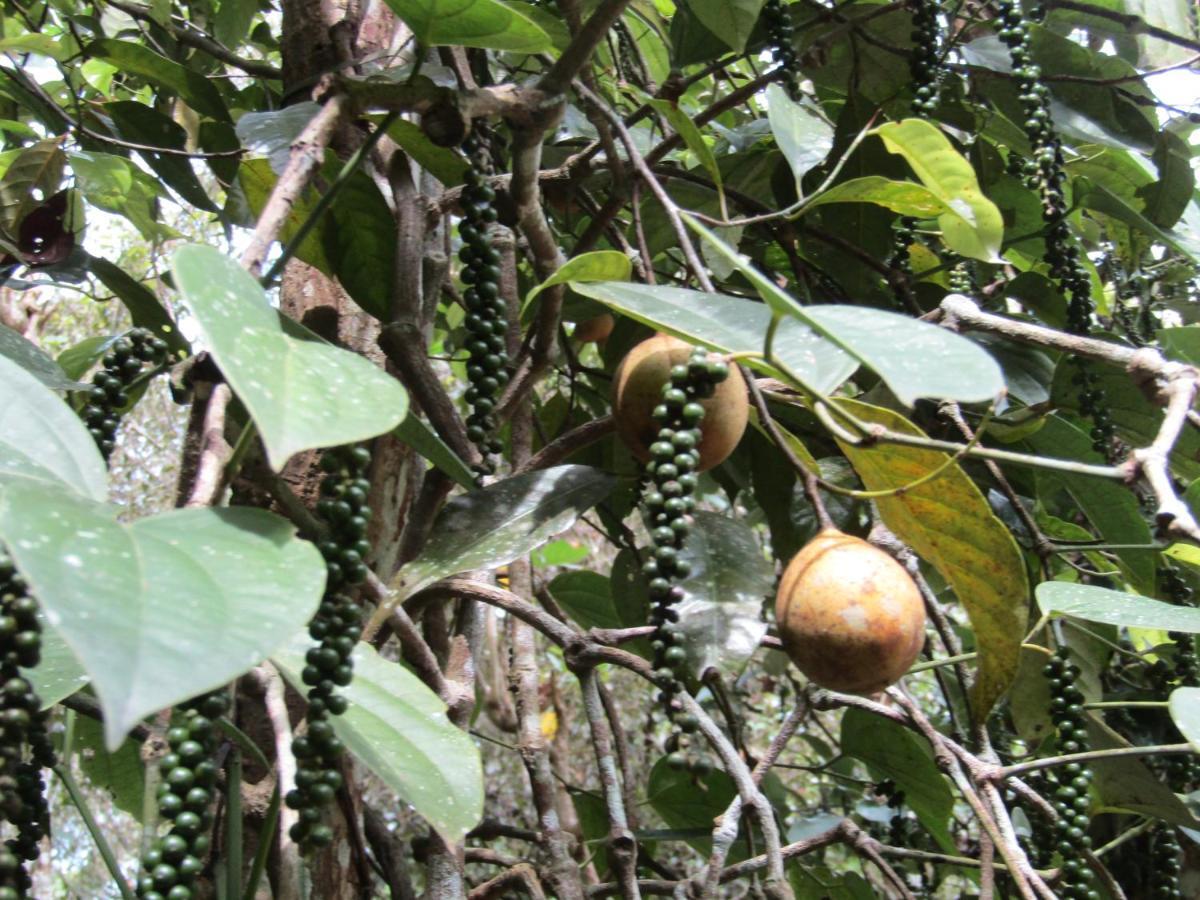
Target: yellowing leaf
549, 724
972, 224
949, 524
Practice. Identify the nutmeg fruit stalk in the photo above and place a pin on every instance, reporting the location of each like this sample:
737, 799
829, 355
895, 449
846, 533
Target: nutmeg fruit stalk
637, 390
849, 616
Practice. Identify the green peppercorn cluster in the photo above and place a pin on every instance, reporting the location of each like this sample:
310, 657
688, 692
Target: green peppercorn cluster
778, 24
185, 794
487, 314
336, 628
1044, 173
674, 457
1071, 782
903, 234
961, 279
108, 396
1164, 867
925, 58
25, 747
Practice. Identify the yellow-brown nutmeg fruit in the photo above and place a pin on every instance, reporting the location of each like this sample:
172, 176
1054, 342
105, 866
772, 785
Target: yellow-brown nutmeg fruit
849, 616
637, 389
595, 330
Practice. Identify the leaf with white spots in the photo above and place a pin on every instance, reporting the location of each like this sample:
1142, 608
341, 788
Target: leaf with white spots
300, 391
34, 360
496, 524
42, 438
397, 728
167, 607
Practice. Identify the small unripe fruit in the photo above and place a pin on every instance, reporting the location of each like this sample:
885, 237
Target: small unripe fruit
596, 329
637, 390
849, 616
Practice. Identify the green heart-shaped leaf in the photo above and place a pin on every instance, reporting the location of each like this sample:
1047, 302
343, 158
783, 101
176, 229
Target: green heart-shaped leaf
167, 607
42, 438
301, 391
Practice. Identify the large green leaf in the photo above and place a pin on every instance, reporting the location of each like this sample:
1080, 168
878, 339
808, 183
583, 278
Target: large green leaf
1097, 604
489, 24
115, 184
803, 135
31, 177
1124, 784
691, 804
398, 729
1185, 710
30, 357
726, 324
360, 242
145, 125
1110, 507
972, 225
257, 180
598, 265
721, 612
730, 20
42, 438
893, 752
496, 524
144, 308
301, 392
905, 197
889, 343
167, 607
590, 599
135, 59
950, 525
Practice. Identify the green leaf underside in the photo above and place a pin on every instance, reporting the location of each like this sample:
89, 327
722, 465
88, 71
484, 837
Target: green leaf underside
418, 435
397, 728
168, 607
301, 392
895, 346
726, 324
804, 137
950, 525
58, 673
494, 525
1098, 604
42, 438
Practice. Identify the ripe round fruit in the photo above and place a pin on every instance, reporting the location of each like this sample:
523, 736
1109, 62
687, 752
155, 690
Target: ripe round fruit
849, 616
596, 329
637, 389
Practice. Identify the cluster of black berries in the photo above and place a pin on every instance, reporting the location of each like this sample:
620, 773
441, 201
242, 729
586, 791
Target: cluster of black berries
898, 824
1071, 783
487, 314
122, 365
675, 457
185, 794
925, 59
1044, 173
1164, 869
778, 24
25, 747
336, 628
